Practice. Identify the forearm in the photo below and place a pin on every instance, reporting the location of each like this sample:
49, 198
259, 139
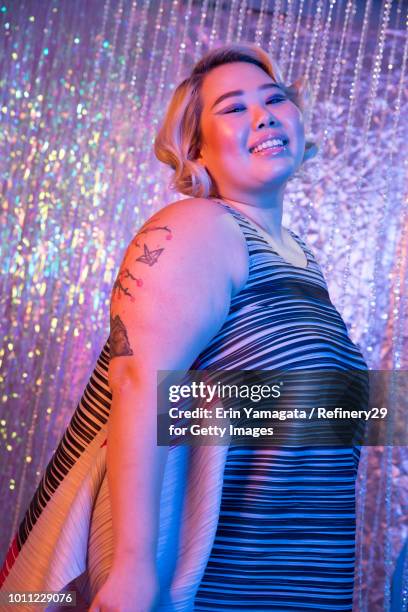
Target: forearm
135, 466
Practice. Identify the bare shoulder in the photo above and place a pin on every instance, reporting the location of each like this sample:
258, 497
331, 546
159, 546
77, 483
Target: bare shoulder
178, 242
173, 289
186, 241
204, 219
191, 211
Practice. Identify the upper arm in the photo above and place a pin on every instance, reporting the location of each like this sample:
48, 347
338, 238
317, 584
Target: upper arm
172, 292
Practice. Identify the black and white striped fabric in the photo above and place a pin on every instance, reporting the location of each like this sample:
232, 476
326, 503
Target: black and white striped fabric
241, 528
285, 539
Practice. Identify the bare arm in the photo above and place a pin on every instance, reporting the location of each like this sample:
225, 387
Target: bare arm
171, 296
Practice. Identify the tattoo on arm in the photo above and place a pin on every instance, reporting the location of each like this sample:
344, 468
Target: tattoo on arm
120, 288
118, 338
169, 235
149, 257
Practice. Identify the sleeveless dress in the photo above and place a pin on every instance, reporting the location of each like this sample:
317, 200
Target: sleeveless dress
286, 529
241, 527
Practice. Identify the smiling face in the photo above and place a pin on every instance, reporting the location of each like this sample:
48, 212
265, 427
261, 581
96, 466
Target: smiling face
232, 124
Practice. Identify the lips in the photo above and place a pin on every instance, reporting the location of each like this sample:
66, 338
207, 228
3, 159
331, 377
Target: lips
270, 151
268, 136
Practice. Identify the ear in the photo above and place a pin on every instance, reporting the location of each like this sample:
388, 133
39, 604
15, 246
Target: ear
199, 160
296, 89
298, 84
311, 149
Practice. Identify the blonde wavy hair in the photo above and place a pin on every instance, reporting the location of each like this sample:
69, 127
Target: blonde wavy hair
178, 141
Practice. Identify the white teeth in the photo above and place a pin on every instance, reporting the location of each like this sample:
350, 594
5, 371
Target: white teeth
275, 142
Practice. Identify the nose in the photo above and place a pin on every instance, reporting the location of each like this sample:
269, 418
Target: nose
264, 119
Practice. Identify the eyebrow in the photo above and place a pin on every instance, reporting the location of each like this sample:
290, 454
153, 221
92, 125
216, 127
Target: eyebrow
240, 92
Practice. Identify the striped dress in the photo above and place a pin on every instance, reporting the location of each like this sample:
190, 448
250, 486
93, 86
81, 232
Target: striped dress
286, 529
241, 528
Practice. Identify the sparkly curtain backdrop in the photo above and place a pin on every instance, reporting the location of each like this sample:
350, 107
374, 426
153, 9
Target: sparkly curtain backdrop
84, 86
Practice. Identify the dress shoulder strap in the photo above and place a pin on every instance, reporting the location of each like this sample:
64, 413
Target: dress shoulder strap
248, 230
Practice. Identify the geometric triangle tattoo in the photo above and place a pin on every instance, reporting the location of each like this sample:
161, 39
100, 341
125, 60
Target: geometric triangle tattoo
118, 339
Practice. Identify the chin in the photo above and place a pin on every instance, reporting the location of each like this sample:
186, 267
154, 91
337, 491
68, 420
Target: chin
284, 175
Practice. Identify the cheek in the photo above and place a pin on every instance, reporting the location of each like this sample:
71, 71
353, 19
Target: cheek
223, 136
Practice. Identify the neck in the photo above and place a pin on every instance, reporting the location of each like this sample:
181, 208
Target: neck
265, 211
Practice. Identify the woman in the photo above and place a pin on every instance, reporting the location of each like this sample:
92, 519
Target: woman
213, 281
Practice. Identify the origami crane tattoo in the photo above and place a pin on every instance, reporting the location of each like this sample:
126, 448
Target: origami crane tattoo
149, 257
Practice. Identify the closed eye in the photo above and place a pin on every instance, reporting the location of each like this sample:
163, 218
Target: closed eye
276, 99
235, 108
271, 100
